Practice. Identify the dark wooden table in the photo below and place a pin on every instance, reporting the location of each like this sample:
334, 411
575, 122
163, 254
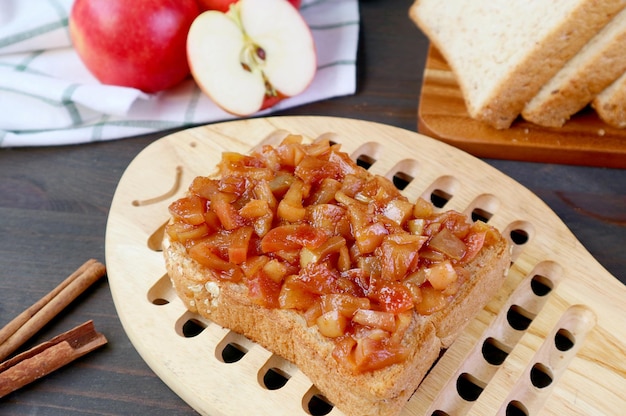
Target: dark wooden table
54, 204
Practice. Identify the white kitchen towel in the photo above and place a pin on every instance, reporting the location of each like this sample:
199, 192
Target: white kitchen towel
49, 98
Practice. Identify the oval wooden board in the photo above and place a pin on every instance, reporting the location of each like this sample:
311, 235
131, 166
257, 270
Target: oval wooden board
553, 339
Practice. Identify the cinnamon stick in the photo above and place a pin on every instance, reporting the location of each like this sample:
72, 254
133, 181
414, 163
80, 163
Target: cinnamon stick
48, 357
26, 324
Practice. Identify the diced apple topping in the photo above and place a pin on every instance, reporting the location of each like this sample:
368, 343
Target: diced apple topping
306, 229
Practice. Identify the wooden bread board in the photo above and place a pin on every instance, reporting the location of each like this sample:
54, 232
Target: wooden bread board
553, 341
583, 140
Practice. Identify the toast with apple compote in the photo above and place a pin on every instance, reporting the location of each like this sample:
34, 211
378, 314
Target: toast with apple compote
331, 267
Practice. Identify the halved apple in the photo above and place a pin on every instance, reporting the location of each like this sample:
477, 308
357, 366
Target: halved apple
252, 56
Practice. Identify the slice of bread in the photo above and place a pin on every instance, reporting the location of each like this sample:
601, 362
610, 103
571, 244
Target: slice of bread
610, 104
595, 67
285, 332
228, 298
503, 51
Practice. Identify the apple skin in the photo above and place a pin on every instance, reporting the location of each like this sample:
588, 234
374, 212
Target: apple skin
223, 5
138, 43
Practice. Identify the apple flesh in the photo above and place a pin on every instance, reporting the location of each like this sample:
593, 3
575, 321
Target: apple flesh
252, 56
223, 5
138, 43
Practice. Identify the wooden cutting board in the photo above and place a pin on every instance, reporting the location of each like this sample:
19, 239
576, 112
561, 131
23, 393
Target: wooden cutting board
583, 140
553, 341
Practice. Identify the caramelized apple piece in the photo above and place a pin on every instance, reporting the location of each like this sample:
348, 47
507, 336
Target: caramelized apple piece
398, 210
332, 324
331, 246
204, 254
422, 208
290, 207
292, 236
275, 270
398, 255
441, 275
375, 319
329, 217
263, 290
345, 304
449, 244
325, 192
392, 296
221, 204
183, 232
372, 354
189, 210
433, 300
294, 296
259, 212
314, 170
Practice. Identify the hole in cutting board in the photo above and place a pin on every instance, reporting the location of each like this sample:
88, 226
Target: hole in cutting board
318, 405
315, 404
441, 191
519, 318
192, 328
232, 348
367, 154
333, 138
469, 387
162, 292
515, 408
365, 161
540, 376
494, 352
440, 198
519, 234
231, 353
541, 285
401, 180
483, 207
403, 173
275, 379
155, 240
519, 237
564, 340
479, 214
275, 373
189, 325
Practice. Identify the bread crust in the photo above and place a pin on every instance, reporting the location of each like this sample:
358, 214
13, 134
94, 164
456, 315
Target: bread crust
595, 67
285, 333
610, 104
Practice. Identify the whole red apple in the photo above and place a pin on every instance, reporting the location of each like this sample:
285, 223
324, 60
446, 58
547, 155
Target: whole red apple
138, 43
223, 5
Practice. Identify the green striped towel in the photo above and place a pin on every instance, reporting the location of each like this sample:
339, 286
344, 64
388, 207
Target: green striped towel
47, 96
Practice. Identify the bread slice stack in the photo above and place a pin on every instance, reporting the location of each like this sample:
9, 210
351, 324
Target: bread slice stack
539, 59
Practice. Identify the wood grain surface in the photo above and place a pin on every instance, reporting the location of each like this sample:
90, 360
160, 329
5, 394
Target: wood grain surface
551, 320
